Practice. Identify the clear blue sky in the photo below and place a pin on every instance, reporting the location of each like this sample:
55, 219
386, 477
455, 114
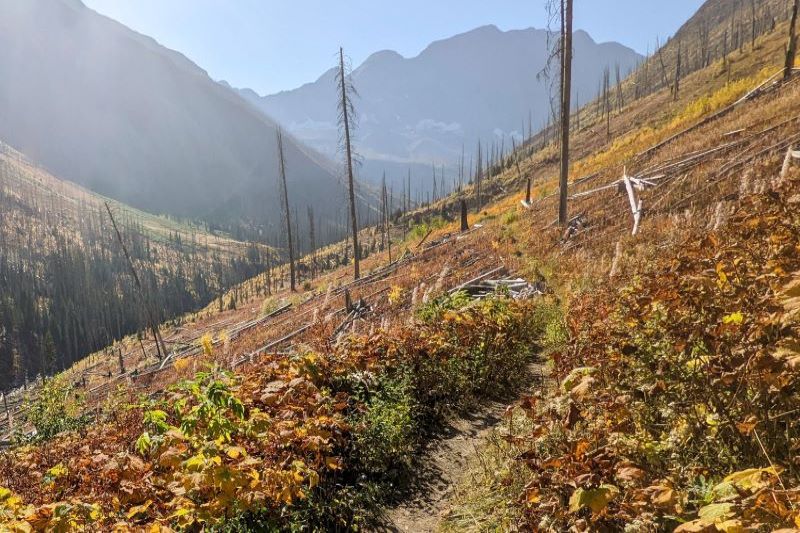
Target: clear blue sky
271, 45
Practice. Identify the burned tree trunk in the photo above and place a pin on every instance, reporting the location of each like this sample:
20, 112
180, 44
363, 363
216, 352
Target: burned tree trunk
312, 241
566, 93
677, 87
160, 346
791, 46
478, 179
284, 192
345, 110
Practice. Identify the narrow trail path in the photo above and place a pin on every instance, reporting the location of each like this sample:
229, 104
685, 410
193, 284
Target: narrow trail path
443, 466
444, 463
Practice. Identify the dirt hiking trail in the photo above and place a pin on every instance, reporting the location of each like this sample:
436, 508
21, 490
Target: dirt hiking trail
444, 462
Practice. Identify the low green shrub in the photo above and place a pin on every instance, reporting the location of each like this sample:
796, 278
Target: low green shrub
54, 410
386, 434
433, 310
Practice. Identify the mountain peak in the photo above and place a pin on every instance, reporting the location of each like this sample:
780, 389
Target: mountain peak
383, 55
425, 108
485, 29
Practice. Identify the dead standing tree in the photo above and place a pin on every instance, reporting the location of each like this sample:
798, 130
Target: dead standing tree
160, 346
791, 46
284, 192
562, 50
346, 114
312, 241
566, 94
677, 86
479, 180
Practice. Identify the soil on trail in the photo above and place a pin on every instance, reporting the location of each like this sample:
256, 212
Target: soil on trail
444, 463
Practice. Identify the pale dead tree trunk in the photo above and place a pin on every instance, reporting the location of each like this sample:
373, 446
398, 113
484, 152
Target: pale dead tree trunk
269, 275
753, 23
660, 49
461, 169
607, 100
383, 212
284, 192
387, 219
345, 110
677, 87
433, 195
791, 46
566, 93
312, 241
120, 361
408, 192
516, 155
478, 179
527, 184
160, 346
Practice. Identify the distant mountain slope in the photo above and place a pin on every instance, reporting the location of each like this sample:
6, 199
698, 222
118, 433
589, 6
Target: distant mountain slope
480, 84
65, 285
108, 108
719, 29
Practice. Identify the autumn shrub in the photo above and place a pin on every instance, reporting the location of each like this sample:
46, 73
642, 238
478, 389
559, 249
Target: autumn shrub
308, 442
678, 390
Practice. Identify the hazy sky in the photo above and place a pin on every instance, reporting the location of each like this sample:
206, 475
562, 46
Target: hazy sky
271, 45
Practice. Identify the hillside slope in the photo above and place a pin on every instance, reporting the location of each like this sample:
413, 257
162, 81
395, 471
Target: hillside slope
110, 109
674, 353
66, 288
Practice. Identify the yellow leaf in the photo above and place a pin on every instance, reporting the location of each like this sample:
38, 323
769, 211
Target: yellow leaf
697, 363
138, 512
716, 512
595, 499
753, 479
195, 462
731, 526
234, 452
723, 278
734, 318
183, 511
57, 471
533, 496
17, 526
